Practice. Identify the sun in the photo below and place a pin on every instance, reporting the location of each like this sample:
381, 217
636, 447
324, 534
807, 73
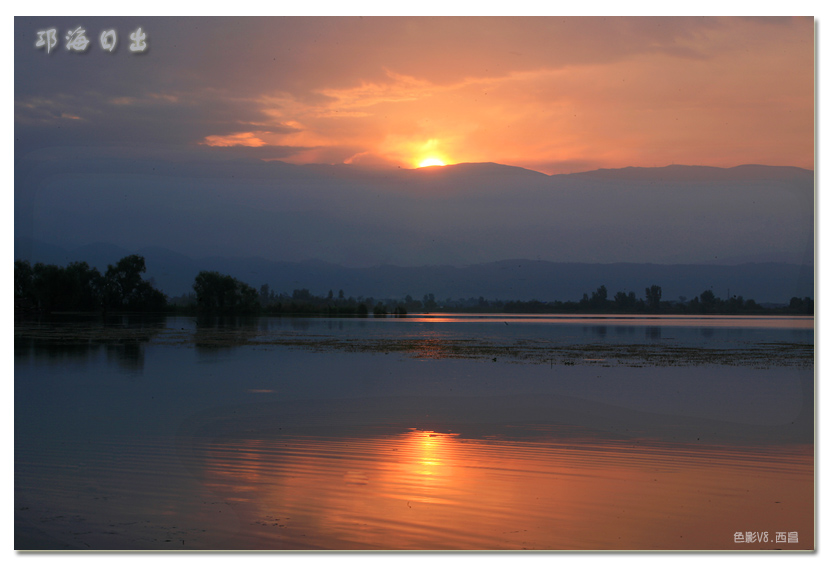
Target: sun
432, 161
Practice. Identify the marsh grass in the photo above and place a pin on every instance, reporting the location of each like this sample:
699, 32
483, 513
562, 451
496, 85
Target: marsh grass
754, 354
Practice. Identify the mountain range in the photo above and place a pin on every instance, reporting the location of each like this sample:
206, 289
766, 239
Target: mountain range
459, 215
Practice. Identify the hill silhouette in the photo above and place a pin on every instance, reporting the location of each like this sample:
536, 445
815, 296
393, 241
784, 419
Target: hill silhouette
464, 214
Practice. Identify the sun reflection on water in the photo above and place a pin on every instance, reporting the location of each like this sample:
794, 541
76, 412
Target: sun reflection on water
421, 489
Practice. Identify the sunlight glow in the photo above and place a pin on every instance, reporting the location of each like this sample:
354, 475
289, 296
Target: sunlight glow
432, 161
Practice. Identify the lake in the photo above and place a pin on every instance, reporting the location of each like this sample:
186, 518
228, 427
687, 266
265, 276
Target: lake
440, 432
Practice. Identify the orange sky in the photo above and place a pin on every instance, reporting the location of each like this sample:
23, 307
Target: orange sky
554, 95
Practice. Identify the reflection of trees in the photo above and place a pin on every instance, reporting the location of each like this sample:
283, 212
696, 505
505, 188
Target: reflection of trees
654, 332
129, 354
300, 323
599, 330
222, 332
336, 324
121, 338
26, 348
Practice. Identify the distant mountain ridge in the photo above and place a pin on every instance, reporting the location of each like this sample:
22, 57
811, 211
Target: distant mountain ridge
516, 279
749, 172
468, 213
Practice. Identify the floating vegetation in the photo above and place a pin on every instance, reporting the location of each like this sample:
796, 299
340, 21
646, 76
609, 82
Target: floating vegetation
88, 333
759, 355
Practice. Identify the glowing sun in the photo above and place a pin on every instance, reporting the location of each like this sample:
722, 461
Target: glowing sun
431, 162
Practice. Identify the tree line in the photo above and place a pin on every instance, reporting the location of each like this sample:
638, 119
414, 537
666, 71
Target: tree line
214, 292
627, 302
77, 287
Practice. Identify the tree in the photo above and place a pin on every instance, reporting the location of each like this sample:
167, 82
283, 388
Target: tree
804, 305
78, 287
83, 287
122, 287
599, 298
122, 281
625, 301
708, 301
653, 296
264, 295
751, 305
734, 304
23, 279
48, 286
301, 295
221, 293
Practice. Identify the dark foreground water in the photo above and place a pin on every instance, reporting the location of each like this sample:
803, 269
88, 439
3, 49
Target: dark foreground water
464, 432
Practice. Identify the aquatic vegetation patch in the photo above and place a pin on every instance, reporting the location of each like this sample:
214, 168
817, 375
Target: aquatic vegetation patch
759, 355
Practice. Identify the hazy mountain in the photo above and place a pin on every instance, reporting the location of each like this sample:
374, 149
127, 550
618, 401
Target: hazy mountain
458, 215
675, 173
512, 279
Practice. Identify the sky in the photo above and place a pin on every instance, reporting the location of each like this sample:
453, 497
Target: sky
554, 95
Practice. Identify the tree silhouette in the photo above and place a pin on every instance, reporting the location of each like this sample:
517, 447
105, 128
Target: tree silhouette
83, 286
123, 287
23, 277
221, 293
302, 295
77, 287
802, 305
653, 296
708, 301
599, 298
625, 301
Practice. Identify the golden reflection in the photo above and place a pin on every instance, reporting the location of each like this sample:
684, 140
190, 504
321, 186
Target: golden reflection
427, 446
430, 454
437, 318
430, 348
427, 490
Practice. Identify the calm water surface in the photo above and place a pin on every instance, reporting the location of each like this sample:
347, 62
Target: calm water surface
434, 432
